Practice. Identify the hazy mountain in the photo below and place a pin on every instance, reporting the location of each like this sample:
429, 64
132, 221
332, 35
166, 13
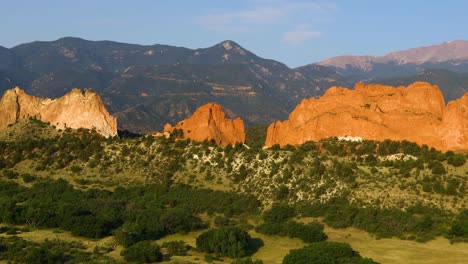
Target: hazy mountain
458, 82
451, 55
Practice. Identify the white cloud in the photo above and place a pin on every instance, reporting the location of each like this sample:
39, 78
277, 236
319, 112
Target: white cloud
300, 35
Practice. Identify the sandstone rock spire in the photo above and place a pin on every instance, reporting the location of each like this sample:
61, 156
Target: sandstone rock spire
209, 122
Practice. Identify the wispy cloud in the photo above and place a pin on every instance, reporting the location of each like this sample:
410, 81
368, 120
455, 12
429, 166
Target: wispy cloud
263, 12
241, 20
299, 35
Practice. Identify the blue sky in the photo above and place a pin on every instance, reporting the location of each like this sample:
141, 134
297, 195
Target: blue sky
296, 32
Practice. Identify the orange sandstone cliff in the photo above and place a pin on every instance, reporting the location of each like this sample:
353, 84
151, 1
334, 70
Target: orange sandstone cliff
209, 122
77, 109
415, 113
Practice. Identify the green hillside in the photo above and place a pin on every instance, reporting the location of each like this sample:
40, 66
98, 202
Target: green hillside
143, 188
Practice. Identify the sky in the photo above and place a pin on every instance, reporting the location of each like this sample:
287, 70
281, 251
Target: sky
295, 32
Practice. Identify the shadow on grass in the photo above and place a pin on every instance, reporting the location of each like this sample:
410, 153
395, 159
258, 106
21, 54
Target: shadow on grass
254, 245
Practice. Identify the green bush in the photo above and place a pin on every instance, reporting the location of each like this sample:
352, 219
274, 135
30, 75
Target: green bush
229, 241
279, 213
325, 253
142, 252
456, 160
310, 232
27, 178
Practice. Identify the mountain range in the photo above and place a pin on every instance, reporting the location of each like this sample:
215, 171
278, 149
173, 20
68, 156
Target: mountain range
146, 86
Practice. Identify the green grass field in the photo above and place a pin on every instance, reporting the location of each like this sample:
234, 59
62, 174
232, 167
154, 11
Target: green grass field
393, 250
385, 251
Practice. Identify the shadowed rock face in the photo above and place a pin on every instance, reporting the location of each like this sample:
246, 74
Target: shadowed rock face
415, 113
209, 122
77, 109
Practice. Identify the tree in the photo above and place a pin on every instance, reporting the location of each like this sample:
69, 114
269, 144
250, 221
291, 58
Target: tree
229, 241
456, 160
142, 252
325, 253
279, 213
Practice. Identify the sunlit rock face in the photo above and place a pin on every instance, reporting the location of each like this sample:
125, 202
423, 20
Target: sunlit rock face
77, 109
209, 122
415, 113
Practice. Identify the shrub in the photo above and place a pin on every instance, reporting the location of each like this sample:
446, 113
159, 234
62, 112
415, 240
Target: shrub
279, 213
142, 252
27, 178
229, 241
311, 232
324, 253
456, 160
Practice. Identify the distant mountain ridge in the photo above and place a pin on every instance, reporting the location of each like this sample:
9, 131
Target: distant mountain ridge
146, 86
448, 51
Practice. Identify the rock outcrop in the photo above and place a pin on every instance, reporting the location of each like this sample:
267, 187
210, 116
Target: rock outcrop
77, 109
415, 113
209, 122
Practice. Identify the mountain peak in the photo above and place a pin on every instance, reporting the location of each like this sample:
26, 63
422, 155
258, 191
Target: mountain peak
229, 44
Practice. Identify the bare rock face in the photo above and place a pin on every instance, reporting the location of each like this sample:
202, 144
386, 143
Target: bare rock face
415, 113
76, 109
209, 122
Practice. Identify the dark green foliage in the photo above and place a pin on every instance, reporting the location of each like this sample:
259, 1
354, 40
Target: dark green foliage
17, 250
142, 252
281, 193
228, 241
459, 227
422, 222
279, 213
27, 178
310, 232
255, 136
247, 261
456, 160
437, 168
10, 174
325, 253
135, 214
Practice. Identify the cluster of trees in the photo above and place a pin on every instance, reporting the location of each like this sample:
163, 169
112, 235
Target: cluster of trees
277, 222
421, 223
17, 250
142, 252
134, 214
226, 241
459, 227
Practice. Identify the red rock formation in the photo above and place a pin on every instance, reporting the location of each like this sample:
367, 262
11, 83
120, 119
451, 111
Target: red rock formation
415, 113
209, 122
76, 109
